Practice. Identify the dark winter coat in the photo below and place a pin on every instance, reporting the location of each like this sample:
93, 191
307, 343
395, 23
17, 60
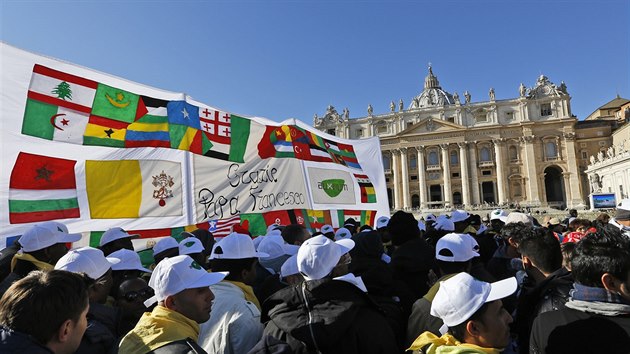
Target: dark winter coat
17, 342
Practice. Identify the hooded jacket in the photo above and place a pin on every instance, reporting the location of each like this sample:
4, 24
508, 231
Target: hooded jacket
328, 316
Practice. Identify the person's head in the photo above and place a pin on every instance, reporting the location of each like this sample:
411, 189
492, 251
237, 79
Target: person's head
319, 257
93, 263
516, 217
567, 249
573, 213
460, 219
498, 218
403, 227
327, 231
295, 234
129, 267
275, 247
115, 239
367, 245
289, 271
192, 246
47, 241
454, 253
236, 254
342, 233
383, 229
579, 225
540, 250
49, 306
182, 285
164, 248
207, 240
602, 259
603, 218
130, 297
622, 215
472, 309
351, 225
511, 235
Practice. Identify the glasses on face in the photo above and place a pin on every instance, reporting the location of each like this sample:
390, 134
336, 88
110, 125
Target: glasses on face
132, 296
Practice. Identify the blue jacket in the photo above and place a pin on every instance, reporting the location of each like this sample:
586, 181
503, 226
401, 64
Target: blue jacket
17, 342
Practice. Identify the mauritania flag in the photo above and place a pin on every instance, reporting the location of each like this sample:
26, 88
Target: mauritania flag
42, 188
133, 188
114, 103
58, 105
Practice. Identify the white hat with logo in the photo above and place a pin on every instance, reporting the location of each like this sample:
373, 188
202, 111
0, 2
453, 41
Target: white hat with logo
342, 233
459, 215
88, 260
326, 229
128, 260
236, 246
499, 214
456, 248
460, 296
190, 245
115, 233
444, 223
177, 274
165, 243
45, 235
274, 246
318, 256
382, 222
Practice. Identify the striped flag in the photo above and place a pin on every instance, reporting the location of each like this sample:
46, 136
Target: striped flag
223, 227
368, 195
150, 129
105, 132
42, 188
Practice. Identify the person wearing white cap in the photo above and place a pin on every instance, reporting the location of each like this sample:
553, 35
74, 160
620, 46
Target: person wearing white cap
342, 234
192, 247
234, 327
182, 292
622, 217
268, 267
44, 312
165, 247
115, 239
41, 247
328, 231
328, 313
102, 334
461, 222
129, 267
454, 254
473, 313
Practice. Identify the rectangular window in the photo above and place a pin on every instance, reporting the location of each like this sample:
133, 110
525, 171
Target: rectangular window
414, 178
545, 109
386, 180
455, 174
584, 155
331, 131
382, 129
509, 116
451, 119
582, 145
486, 173
359, 133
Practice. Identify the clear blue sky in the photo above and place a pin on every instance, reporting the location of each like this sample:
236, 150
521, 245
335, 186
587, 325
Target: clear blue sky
290, 59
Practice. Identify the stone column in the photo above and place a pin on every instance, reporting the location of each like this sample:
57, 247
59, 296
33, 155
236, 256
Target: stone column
395, 169
406, 198
446, 176
463, 163
574, 195
533, 192
422, 177
500, 165
476, 196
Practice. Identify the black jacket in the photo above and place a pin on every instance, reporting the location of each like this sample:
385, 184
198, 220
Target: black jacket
16, 342
184, 346
328, 316
101, 335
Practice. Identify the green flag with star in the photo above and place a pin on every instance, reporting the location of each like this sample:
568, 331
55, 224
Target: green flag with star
114, 103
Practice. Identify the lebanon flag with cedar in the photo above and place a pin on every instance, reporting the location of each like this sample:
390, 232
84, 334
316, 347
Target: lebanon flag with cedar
42, 188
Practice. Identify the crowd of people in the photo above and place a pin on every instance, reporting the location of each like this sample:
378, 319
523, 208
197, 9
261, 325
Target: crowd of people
453, 283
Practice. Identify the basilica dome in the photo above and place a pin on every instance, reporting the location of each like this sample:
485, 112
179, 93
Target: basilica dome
432, 95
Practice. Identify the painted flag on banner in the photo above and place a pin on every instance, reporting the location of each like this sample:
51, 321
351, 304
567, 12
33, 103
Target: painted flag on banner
133, 188
368, 194
114, 103
42, 188
105, 132
151, 125
216, 132
318, 218
317, 148
184, 126
52, 122
223, 227
276, 142
240, 129
284, 217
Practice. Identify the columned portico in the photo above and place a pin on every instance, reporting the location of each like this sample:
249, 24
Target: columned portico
463, 162
422, 178
406, 197
532, 177
476, 199
446, 176
396, 173
498, 143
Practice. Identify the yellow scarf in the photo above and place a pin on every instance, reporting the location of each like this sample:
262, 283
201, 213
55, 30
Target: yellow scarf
430, 295
156, 329
448, 340
28, 258
248, 291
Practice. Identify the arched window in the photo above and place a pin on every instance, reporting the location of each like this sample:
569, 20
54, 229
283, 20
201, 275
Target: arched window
551, 149
413, 162
433, 158
484, 154
454, 158
386, 162
513, 153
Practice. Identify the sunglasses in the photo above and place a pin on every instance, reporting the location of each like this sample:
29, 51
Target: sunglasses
132, 296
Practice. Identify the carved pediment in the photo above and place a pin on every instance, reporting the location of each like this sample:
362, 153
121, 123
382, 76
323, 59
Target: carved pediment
431, 125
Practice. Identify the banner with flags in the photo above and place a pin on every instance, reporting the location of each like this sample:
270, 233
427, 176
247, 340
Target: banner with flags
95, 151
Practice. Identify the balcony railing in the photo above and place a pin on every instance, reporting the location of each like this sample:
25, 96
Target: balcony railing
433, 167
486, 163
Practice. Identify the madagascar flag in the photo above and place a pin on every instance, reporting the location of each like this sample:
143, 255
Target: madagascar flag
42, 188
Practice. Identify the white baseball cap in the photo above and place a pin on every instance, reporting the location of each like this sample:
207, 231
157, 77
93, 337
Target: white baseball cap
165, 243
459, 215
459, 297
274, 246
128, 260
88, 260
444, 223
272, 227
55, 225
422, 226
45, 235
342, 233
318, 255
190, 245
515, 217
179, 273
326, 229
456, 248
382, 222
236, 246
289, 267
115, 233
499, 214
430, 217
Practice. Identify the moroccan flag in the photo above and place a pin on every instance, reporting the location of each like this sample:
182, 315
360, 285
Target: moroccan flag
114, 103
368, 195
151, 125
133, 188
52, 122
42, 188
105, 132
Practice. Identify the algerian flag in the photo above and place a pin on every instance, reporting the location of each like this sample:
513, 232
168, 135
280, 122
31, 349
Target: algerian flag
51, 122
133, 188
